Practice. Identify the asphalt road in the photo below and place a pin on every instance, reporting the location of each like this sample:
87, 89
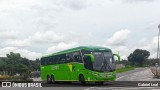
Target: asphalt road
121, 76
77, 86
84, 88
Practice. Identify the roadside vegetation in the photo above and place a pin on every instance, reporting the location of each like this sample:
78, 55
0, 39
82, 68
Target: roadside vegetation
15, 67
127, 68
137, 59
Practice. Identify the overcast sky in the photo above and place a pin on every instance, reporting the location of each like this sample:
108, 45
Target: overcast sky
37, 27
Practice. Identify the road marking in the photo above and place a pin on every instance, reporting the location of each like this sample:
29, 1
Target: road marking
89, 88
122, 77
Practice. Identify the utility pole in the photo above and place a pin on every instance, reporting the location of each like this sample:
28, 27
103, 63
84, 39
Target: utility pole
158, 52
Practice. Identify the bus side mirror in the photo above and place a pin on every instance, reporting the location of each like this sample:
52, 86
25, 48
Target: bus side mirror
89, 56
117, 56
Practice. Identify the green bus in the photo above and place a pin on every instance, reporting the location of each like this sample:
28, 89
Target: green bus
80, 64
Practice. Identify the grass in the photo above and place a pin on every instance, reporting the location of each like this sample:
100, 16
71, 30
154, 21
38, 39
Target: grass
5, 77
127, 68
12, 78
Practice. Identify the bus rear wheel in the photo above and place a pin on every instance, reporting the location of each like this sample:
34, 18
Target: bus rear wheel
52, 80
48, 79
81, 79
101, 83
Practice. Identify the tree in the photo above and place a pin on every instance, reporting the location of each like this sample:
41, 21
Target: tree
138, 57
3, 65
14, 64
11, 60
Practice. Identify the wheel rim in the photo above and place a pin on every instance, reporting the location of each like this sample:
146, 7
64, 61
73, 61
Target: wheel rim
82, 79
48, 79
52, 79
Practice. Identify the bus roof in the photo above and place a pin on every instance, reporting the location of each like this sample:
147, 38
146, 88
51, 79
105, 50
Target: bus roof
90, 48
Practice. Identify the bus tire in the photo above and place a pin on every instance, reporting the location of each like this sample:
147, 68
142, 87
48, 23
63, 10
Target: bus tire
52, 79
48, 79
102, 83
81, 79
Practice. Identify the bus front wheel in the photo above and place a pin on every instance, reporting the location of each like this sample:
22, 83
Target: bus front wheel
81, 79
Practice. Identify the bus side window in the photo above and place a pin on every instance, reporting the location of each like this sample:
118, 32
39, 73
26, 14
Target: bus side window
88, 63
42, 61
56, 59
85, 52
47, 61
69, 57
62, 58
77, 57
50, 61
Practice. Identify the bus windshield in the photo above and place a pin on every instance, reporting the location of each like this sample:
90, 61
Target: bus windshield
104, 61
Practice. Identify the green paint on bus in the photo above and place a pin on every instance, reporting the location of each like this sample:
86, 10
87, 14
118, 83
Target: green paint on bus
84, 64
